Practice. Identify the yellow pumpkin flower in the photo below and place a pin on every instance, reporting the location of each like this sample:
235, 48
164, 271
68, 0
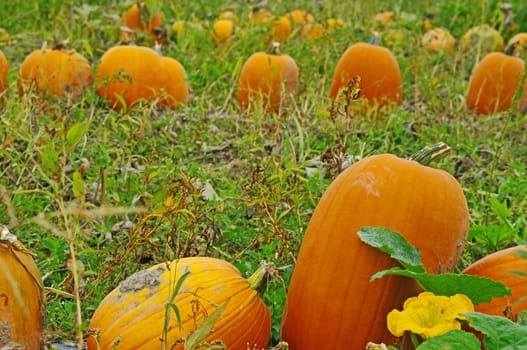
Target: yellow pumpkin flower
429, 315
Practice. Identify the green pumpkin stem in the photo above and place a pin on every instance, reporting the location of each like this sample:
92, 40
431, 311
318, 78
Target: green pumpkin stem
258, 280
430, 154
274, 48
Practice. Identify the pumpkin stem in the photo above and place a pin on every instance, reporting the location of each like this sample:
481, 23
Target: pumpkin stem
431, 153
274, 48
258, 280
374, 40
511, 49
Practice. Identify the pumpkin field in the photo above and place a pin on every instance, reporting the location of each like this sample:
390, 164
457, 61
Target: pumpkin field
247, 175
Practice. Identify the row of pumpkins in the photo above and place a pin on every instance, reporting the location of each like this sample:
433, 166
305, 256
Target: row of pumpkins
128, 74
331, 304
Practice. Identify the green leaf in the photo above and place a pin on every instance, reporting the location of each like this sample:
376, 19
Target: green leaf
478, 289
453, 340
394, 244
50, 158
500, 332
204, 329
79, 188
75, 134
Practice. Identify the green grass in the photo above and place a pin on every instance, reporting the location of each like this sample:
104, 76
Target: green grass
145, 154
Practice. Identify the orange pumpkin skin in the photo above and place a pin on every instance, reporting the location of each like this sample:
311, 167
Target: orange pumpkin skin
520, 40
264, 77
501, 266
55, 72
222, 31
4, 70
136, 18
22, 310
379, 71
494, 83
132, 72
177, 88
135, 313
331, 304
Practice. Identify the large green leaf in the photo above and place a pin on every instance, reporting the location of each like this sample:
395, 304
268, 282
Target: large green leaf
500, 332
453, 340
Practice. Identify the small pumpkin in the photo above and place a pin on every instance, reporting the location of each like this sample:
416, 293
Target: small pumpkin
379, 72
222, 31
128, 74
22, 306
494, 83
313, 30
260, 15
483, 39
383, 19
4, 70
265, 76
438, 39
299, 17
55, 72
138, 18
509, 267
331, 303
134, 312
280, 30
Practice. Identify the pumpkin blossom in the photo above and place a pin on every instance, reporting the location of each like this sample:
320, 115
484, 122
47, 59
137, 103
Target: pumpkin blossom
429, 315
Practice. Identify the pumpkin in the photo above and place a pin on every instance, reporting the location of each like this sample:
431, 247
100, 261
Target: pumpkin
4, 70
313, 30
438, 39
128, 74
331, 303
483, 38
379, 72
134, 312
334, 23
300, 17
228, 15
177, 88
494, 83
510, 268
383, 19
138, 18
280, 30
260, 15
265, 76
22, 306
55, 72
519, 41
222, 31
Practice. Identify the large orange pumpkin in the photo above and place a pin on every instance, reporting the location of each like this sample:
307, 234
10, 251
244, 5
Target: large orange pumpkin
4, 70
265, 77
508, 267
138, 18
134, 312
379, 72
331, 303
494, 83
55, 72
129, 74
177, 88
22, 307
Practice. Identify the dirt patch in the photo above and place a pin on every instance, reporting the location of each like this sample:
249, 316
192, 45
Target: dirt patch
141, 280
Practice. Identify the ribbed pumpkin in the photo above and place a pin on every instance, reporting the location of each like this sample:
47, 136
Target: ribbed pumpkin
134, 312
132, 73
22, 307
331, 303
503, 266
494, 83
55, 72
379, 72
4, 70
265, 77
138, 18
